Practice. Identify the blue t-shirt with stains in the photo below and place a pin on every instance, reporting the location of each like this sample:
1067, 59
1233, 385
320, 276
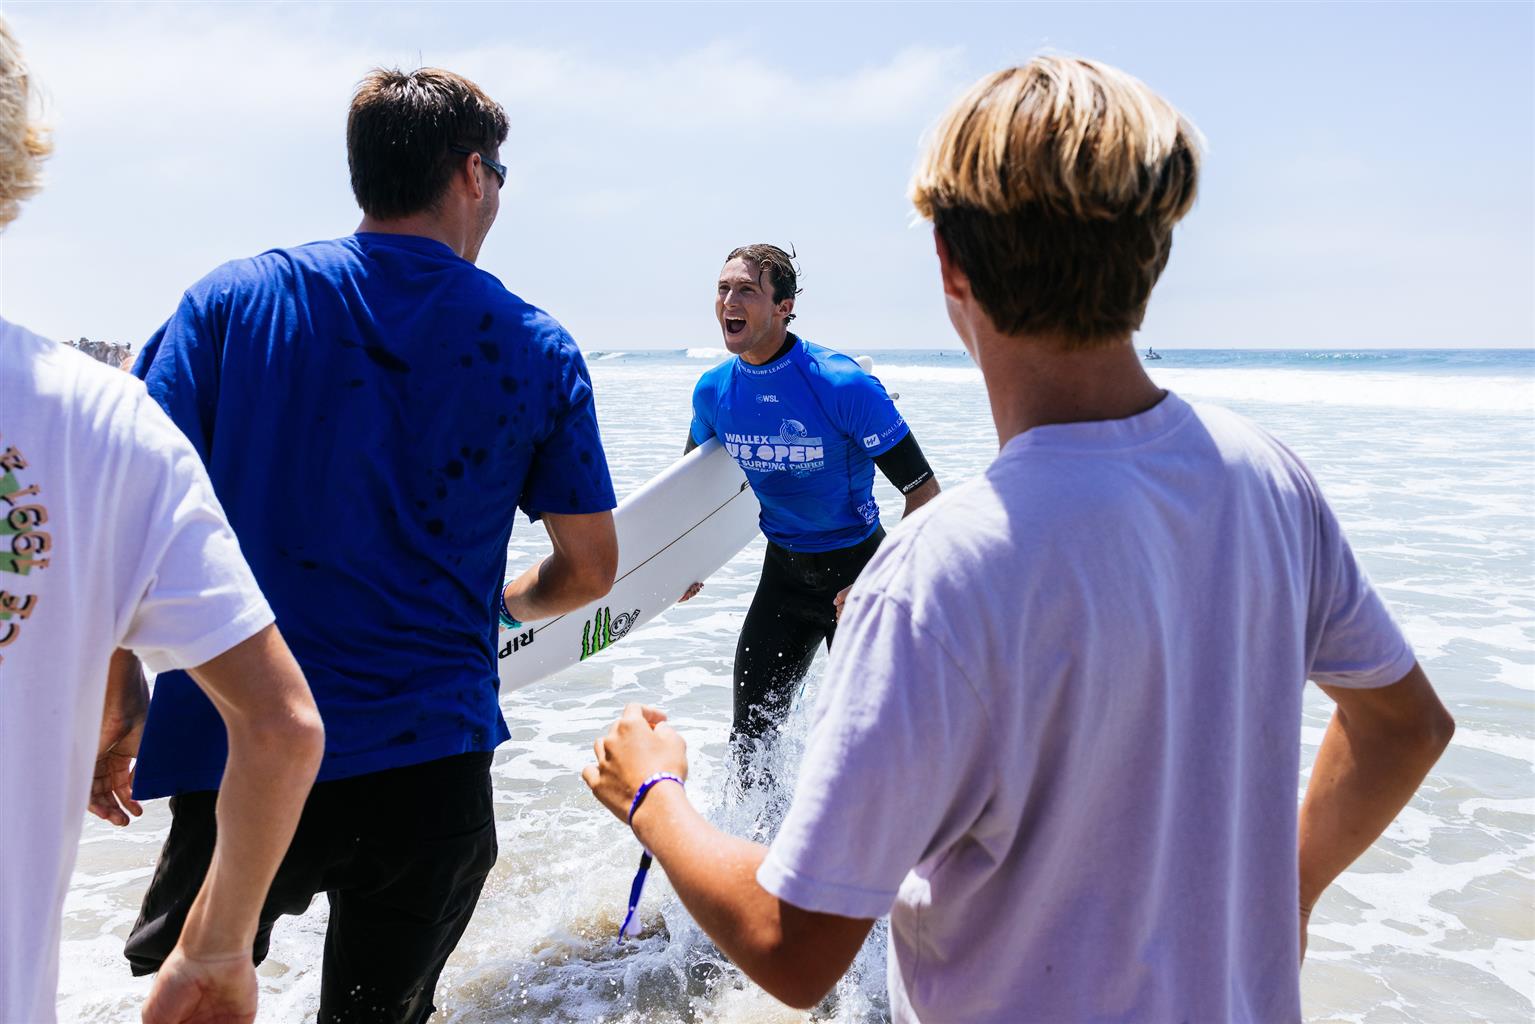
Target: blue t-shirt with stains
372, 411
805, 427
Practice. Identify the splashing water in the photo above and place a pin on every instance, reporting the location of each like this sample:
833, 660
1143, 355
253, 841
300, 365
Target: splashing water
1430, 463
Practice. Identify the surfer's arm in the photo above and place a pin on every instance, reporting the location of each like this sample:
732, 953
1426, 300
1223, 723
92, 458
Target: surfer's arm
907, 468
920, 495
796, 955
580, 570
702, 424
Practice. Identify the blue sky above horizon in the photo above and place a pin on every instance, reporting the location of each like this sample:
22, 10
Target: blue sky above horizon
1370, 179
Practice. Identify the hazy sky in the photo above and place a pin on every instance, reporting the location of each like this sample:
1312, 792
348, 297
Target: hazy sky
1370, 177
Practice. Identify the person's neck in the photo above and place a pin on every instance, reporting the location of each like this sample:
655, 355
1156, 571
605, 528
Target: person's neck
446, 230
1033, 380
769, 349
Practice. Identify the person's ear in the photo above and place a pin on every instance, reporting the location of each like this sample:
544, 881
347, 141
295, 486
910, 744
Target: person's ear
474, 176
956, 285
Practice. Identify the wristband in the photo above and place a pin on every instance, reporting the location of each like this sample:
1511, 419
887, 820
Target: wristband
637, 887
639, 794
508, 620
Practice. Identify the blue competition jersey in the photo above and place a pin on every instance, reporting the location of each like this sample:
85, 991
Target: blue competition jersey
805, 428
372, 411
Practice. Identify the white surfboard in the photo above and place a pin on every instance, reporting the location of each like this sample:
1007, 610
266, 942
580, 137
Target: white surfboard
680, 526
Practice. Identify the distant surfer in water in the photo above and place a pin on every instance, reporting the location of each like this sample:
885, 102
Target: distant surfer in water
1060, 734
373, 410
808, 426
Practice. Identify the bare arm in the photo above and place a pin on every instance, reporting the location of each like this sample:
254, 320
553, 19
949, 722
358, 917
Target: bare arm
276, 741
795, 955
920, 496
1377, 750
580, 570
122, 724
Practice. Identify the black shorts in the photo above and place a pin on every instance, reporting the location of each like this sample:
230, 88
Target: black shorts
792, 612
401, 855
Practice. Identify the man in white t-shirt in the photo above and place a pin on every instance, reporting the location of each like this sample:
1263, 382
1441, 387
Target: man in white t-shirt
1059, 737
111, 537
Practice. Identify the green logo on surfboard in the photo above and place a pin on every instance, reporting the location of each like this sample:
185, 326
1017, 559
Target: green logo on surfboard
605, 629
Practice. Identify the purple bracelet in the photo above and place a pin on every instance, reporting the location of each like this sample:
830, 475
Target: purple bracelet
639, 794
637, 887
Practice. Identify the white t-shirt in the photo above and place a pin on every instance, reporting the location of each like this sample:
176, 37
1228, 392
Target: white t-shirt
1060, 730
110, 536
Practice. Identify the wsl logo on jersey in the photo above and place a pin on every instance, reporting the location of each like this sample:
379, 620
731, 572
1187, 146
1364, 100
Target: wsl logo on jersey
606, 629
792, 449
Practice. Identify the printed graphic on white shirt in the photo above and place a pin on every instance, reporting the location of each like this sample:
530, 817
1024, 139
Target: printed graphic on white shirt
792, 450
28, 545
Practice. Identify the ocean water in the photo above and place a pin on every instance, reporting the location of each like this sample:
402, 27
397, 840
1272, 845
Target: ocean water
1429, 458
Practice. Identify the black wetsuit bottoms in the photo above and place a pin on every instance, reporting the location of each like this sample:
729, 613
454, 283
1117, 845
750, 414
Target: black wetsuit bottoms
792, 612
401, 854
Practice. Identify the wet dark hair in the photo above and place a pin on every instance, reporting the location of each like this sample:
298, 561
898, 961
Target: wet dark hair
400, 134
777, 264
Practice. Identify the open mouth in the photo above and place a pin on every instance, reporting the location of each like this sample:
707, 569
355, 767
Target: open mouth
734, 325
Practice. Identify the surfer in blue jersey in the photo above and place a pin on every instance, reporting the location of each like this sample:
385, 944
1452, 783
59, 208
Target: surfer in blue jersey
808, 426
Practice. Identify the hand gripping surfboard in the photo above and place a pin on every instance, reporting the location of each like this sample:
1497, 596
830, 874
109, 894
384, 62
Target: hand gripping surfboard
680, 526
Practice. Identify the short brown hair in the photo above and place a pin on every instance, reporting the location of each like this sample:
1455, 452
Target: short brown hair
777, 264
400, 135
1055, 187
23, 142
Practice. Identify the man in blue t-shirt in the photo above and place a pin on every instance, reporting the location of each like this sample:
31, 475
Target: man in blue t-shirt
372, 411
807, 426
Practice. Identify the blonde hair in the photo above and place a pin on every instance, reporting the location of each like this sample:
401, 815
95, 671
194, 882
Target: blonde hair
1055, 186
23, 143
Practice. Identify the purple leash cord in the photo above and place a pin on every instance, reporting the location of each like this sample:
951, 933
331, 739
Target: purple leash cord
637, 887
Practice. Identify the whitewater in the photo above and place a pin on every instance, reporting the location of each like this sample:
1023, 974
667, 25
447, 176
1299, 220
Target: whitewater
1429, 459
